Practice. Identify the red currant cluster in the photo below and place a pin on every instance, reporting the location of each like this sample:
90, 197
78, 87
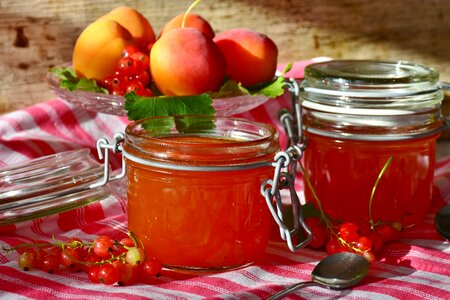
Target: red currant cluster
104, 260
131, 74
348, 237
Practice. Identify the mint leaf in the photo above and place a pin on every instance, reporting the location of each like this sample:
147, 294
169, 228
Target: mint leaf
69, 80
142, 107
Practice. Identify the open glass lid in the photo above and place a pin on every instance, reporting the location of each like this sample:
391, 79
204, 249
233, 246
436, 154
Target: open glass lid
49, 185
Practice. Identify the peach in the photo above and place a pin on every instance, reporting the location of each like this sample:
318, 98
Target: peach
192, 21
99, 48
251, 56
184, 61
139, 27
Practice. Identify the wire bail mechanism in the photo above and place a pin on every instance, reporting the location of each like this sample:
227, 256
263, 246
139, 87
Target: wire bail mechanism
285, 171
103, 148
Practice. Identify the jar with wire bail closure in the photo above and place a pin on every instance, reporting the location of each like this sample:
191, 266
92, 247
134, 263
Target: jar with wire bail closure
357, 116
193, 189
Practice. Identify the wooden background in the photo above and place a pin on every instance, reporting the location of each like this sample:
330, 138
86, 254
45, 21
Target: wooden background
38, 34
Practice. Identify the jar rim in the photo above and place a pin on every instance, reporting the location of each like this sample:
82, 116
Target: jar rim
372, 72
200, 140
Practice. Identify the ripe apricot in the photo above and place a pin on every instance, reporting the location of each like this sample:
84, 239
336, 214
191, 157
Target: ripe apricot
192, 21
98, 49
139, 27
251, 56
185, 62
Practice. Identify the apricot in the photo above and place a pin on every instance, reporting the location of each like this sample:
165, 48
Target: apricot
184, 61
139, 27
192, 21
251, 56
99, 48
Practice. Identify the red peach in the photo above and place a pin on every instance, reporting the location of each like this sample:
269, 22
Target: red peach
185, 62
251, 56
192, 21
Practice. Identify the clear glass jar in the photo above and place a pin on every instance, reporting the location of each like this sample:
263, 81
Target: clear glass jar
356, 116
194, 189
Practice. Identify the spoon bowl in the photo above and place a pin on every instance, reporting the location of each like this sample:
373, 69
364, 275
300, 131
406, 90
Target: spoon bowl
337, 271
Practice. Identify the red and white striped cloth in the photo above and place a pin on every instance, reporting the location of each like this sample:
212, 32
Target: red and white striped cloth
416, 267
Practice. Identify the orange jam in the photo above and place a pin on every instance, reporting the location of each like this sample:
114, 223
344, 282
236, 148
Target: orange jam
194, 197
357, 115
343, 173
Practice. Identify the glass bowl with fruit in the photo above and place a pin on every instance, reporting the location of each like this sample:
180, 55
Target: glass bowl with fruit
231, 72
97, 99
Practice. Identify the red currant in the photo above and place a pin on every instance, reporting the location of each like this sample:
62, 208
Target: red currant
349, 232
377, 242
151, 267
116, 84
143, 77
333, 246
70, 258
387, 233
364, 244
319, 233
135, 87
127, 66
92, 273
50, 263
103, 246
129, 50
128, 274
142, 60
128, 242
107, 274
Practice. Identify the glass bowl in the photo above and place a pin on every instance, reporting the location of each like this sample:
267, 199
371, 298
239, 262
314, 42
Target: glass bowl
114, 105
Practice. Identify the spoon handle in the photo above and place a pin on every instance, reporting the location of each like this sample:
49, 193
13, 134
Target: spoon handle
291, 289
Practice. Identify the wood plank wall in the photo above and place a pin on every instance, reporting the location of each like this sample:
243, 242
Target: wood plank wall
38, 34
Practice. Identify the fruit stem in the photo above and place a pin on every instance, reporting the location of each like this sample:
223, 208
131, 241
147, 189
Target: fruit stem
188, 11
319, 204
386, 165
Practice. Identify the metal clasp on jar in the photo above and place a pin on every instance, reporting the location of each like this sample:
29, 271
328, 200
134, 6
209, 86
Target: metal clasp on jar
285, 173
103, 148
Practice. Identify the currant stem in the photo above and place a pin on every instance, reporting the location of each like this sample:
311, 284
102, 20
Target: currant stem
383, 170
316, 198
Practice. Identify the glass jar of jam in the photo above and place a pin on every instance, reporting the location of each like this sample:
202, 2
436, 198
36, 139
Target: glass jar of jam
357, 116
194, 189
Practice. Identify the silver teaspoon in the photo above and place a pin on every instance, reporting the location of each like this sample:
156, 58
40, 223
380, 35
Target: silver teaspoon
337, 271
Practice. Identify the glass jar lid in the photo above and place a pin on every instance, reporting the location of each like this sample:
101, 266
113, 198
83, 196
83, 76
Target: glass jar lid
367, 77
48, 185
371, 100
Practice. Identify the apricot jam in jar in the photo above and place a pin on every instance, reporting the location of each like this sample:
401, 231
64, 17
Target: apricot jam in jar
357, 116
194, 189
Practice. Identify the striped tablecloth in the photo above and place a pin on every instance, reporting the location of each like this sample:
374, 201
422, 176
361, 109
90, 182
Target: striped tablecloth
416, 267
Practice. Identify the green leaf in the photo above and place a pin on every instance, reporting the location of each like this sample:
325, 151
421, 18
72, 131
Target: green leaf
230, 89
68, 80
142, 107
274, 89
